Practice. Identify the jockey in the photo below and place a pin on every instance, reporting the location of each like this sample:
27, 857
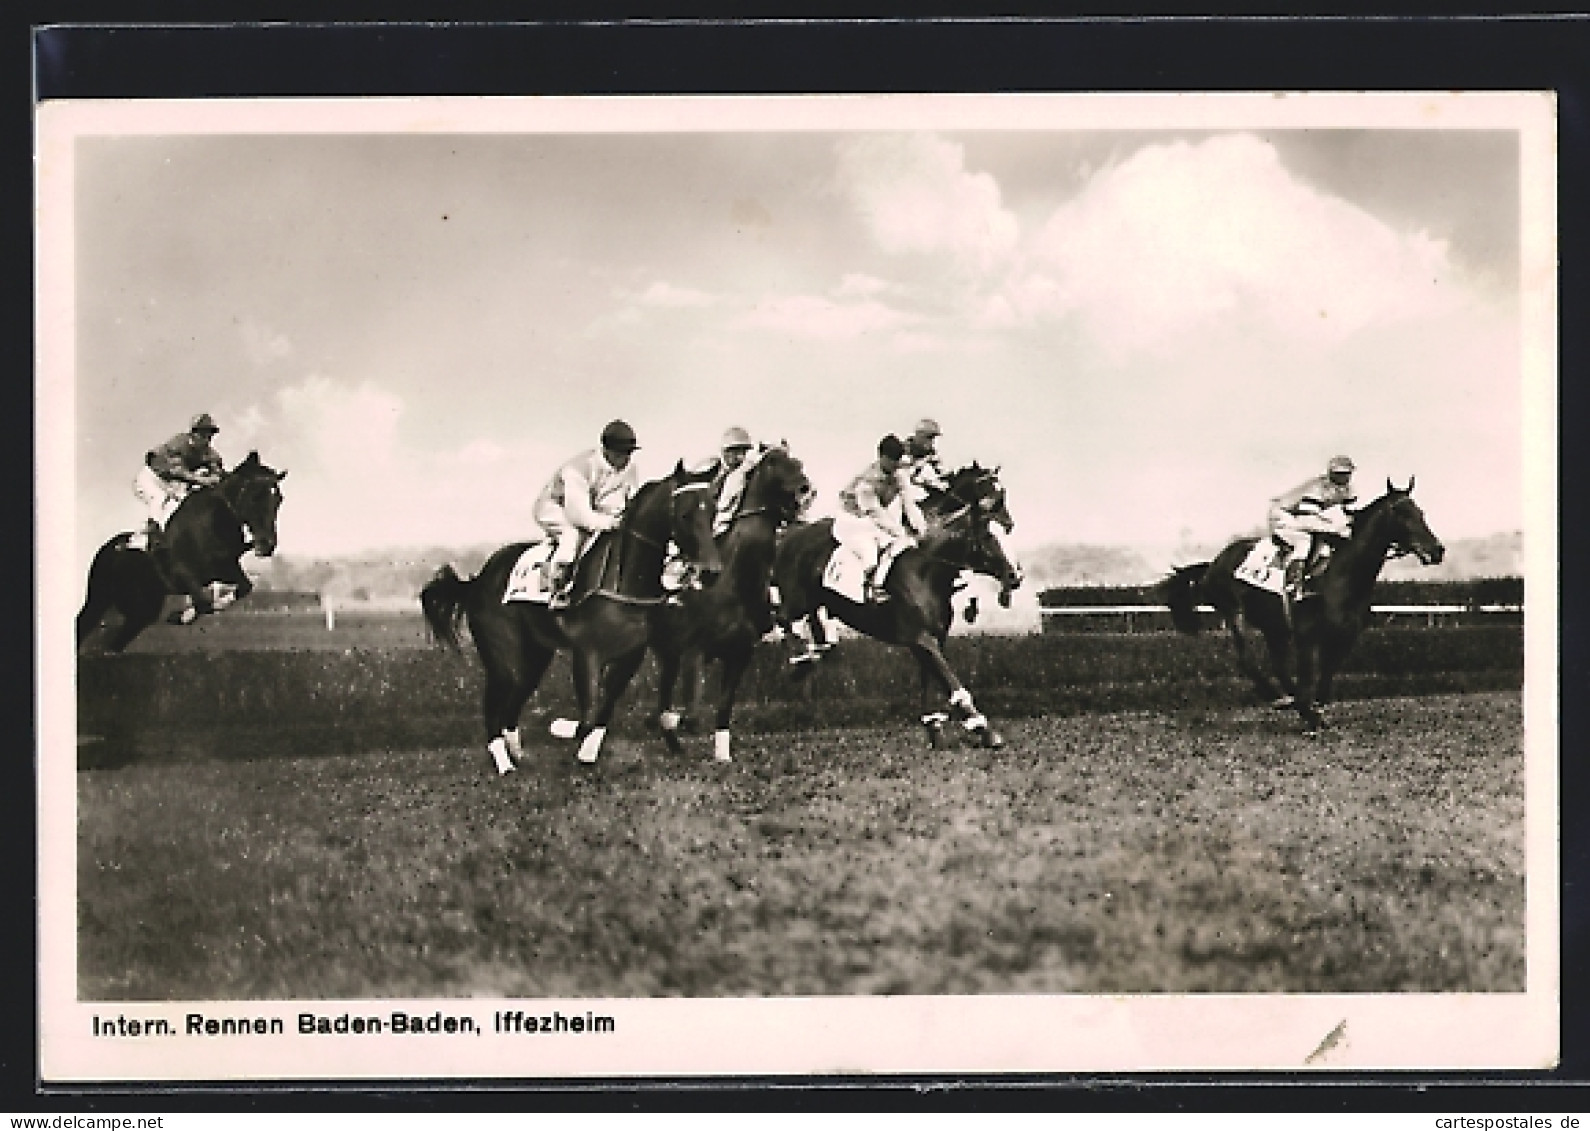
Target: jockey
171, 472
922, 459
728, 484
1314, 507
879, 518
585, 496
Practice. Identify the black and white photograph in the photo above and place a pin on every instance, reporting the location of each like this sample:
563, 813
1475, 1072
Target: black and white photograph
684, 586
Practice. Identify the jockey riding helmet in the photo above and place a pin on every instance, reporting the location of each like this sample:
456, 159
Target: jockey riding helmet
928, 428
1340, 464
890, 447
203, 423
619, 437
736, 437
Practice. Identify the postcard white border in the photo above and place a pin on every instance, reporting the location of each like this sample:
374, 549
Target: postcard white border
776, 1036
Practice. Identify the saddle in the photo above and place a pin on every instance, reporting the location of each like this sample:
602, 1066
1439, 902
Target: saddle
528, 580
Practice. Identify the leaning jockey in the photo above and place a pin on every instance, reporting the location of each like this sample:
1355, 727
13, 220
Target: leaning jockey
1315, 507
728, 482
879, 518
922, 459
586, 496
171, 472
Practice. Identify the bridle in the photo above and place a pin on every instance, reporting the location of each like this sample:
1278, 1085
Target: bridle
626, 531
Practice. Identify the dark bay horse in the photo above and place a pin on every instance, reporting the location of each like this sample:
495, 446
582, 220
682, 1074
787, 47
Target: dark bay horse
1323, 626
204, 540
613, 616
725, 620
920, 584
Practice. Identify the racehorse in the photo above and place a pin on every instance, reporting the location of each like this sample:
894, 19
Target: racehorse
920, 584
618, 598
211, 530
1321, 627
724, 621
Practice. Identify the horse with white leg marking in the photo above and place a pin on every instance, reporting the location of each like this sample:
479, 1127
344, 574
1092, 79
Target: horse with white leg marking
920, 583
725, 620
207, 535
610, 619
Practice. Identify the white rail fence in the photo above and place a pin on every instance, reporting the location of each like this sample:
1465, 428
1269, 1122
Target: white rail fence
1430, 612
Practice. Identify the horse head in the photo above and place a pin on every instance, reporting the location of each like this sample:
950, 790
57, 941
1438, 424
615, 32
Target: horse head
691, 508
973, 491
986, 555
1397, 520
777, 485
254, 493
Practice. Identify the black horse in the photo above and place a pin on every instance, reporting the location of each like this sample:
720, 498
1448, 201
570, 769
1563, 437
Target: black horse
1321, 627
920, 584
618, 600
203, 542
723, 621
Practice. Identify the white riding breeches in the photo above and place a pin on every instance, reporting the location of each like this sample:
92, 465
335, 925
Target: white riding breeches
160, 497
1297, 530
869, 542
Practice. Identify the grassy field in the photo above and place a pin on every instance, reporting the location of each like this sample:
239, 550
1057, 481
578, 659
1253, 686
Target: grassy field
201, 704
1182, 850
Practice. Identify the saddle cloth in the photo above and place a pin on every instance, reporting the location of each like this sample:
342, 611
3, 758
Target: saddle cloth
527, 582
846, 572
1263, 567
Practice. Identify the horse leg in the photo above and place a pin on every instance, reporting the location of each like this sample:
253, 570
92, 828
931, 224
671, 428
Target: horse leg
506, 739
1276, 642
816, 642
932, 718
609, 685
1308, 656
734, 665
668, 719
928, 652
1246, 662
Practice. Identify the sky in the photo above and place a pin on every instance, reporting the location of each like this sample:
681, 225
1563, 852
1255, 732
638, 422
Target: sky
1150, 333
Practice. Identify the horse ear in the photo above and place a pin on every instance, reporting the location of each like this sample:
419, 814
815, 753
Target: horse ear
1389, 487
280, 475
251, 461
1410, 484
679, 468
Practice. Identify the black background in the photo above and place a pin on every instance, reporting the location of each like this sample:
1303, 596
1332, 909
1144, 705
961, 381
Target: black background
188, 50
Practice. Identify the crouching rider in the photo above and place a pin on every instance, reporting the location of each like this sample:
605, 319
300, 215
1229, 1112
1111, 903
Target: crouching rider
170, 473
584, 497
879, 518
1318, 506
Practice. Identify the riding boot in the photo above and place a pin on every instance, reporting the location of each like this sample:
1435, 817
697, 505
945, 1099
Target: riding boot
1294, 579
560, 581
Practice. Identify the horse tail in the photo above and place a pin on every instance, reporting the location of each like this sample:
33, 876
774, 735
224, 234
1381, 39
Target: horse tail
443, 600
1181, 594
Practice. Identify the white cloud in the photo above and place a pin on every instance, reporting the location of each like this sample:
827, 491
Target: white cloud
261, 344
350, 430
815, 316
1183, 237
856, 285
669, 296
916, 195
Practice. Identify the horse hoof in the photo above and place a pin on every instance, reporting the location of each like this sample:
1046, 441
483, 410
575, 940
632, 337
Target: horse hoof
992, 739
563, 728
936, 738
1284, 703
